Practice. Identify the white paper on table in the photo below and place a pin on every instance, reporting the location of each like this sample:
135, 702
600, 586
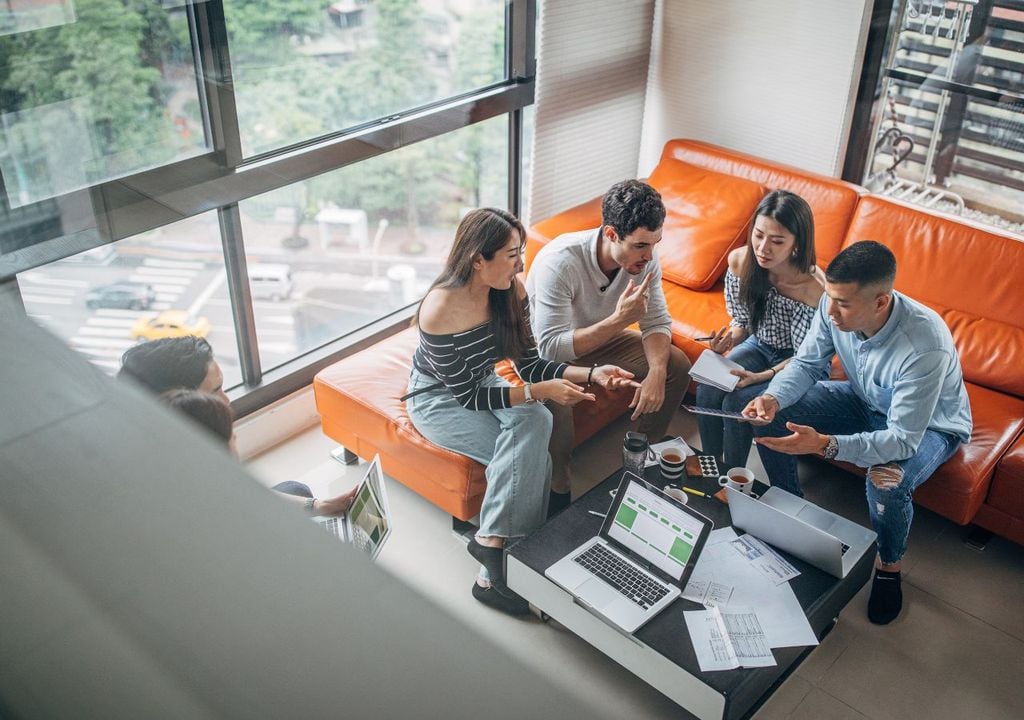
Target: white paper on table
722, 572
768, 562
676, 443
726, 641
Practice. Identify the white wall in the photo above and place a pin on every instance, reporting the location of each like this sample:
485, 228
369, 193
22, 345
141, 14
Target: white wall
776, 78
591, 77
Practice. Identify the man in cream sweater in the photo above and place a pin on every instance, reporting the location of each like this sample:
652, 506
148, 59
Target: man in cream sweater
586, 288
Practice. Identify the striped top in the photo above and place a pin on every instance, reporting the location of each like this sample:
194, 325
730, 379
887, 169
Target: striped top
463, 360
786, 321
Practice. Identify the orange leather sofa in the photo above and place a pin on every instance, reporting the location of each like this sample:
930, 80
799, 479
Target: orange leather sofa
710, 194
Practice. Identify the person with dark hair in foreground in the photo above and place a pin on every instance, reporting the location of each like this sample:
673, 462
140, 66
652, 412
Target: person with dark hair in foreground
901, 414
474, 314
170, 363
185, 374
586, 288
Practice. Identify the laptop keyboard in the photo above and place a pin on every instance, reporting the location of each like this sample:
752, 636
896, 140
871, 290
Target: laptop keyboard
635, 584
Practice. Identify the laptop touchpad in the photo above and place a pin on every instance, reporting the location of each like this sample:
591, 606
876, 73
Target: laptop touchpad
816, 517
597, 593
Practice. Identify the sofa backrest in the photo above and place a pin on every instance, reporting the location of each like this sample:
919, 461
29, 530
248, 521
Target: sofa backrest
969, 275
832, 201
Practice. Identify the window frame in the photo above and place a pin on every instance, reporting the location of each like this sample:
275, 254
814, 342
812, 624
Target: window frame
221, 178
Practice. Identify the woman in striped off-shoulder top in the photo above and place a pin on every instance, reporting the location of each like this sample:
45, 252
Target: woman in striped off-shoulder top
475, 314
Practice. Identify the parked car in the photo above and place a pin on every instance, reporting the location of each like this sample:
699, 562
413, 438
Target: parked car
168, 324
270, 281
127, 295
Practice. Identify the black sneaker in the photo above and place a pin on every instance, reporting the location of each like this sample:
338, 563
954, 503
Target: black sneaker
500, 598
557, 502
490, 557
886, 599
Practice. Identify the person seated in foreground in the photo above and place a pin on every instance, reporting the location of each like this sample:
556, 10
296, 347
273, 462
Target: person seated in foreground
586, 288
475, 314
901, 414
185, 374
772, 287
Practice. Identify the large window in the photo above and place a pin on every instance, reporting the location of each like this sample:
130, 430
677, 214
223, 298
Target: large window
304, 69
949, 117
281, 176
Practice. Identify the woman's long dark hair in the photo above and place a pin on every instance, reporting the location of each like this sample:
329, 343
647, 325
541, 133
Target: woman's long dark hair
482, 233
793, 213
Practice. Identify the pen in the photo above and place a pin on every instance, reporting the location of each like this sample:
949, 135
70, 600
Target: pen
704, 339
595, 512
695, 492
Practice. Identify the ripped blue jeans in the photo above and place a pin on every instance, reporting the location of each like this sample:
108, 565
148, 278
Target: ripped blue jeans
831, 407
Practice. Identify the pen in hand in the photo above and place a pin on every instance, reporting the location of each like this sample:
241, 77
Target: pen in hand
704, 339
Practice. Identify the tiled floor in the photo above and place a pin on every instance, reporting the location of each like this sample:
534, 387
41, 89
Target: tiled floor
957, 651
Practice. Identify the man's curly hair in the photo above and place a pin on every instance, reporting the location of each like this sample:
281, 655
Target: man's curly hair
632, 204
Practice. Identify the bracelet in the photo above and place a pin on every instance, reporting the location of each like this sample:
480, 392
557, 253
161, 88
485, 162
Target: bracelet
591, 373
773, 371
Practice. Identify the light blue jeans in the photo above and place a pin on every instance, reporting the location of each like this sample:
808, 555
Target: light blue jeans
832, 408
511, 443
728, 440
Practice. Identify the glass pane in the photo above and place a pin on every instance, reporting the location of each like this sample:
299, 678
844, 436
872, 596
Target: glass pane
104, 300
93, 90
949, 128
303, 69
333, 254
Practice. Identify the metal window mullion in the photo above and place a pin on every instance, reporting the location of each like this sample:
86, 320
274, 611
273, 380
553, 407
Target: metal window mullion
215, 81
520, 38
515, 161
242, 312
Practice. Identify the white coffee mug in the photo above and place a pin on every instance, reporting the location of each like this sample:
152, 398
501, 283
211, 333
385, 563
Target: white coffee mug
740, 479
675, 493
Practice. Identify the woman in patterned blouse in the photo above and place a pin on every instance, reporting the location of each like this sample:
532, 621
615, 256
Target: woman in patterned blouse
475, 314
772, 288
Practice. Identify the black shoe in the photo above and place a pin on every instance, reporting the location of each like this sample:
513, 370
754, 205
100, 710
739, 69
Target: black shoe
557, 502
886, 599
490, 557
499, 597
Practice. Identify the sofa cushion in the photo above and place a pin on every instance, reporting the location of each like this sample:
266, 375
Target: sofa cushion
959, 486
581, 217
695, 313
708, 214
967, 274
832, 201
1003, 511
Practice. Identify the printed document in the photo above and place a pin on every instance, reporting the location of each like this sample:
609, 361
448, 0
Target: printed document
728, 640
713, 369
772, 565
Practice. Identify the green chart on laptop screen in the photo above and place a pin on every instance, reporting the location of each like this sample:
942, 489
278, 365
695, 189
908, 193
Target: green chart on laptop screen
655, 529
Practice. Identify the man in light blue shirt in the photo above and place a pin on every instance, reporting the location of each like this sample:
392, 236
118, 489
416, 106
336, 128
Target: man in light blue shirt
903, 411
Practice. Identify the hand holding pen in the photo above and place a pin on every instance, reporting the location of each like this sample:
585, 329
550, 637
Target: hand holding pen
720, 341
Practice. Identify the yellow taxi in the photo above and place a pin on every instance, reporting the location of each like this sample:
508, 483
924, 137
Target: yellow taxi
169, 324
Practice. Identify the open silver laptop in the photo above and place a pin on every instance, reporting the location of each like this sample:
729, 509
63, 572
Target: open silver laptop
367, 524
640, 561
828, 541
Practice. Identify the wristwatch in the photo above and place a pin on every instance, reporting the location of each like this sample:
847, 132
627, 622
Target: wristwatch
831, 448
529, 393
310, 505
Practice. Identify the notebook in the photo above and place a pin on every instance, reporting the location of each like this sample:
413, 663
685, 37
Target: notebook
366, 524
640, 561
713, 369
828, 541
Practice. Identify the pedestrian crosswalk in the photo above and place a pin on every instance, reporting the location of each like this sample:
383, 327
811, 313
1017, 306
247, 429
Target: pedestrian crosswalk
106, 333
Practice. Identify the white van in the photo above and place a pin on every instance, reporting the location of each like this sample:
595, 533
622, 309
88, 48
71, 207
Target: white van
269, 281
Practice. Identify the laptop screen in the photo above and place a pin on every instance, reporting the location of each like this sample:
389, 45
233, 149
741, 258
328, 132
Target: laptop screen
656, 528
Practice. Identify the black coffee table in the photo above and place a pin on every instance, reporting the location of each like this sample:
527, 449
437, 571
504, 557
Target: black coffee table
661, 652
